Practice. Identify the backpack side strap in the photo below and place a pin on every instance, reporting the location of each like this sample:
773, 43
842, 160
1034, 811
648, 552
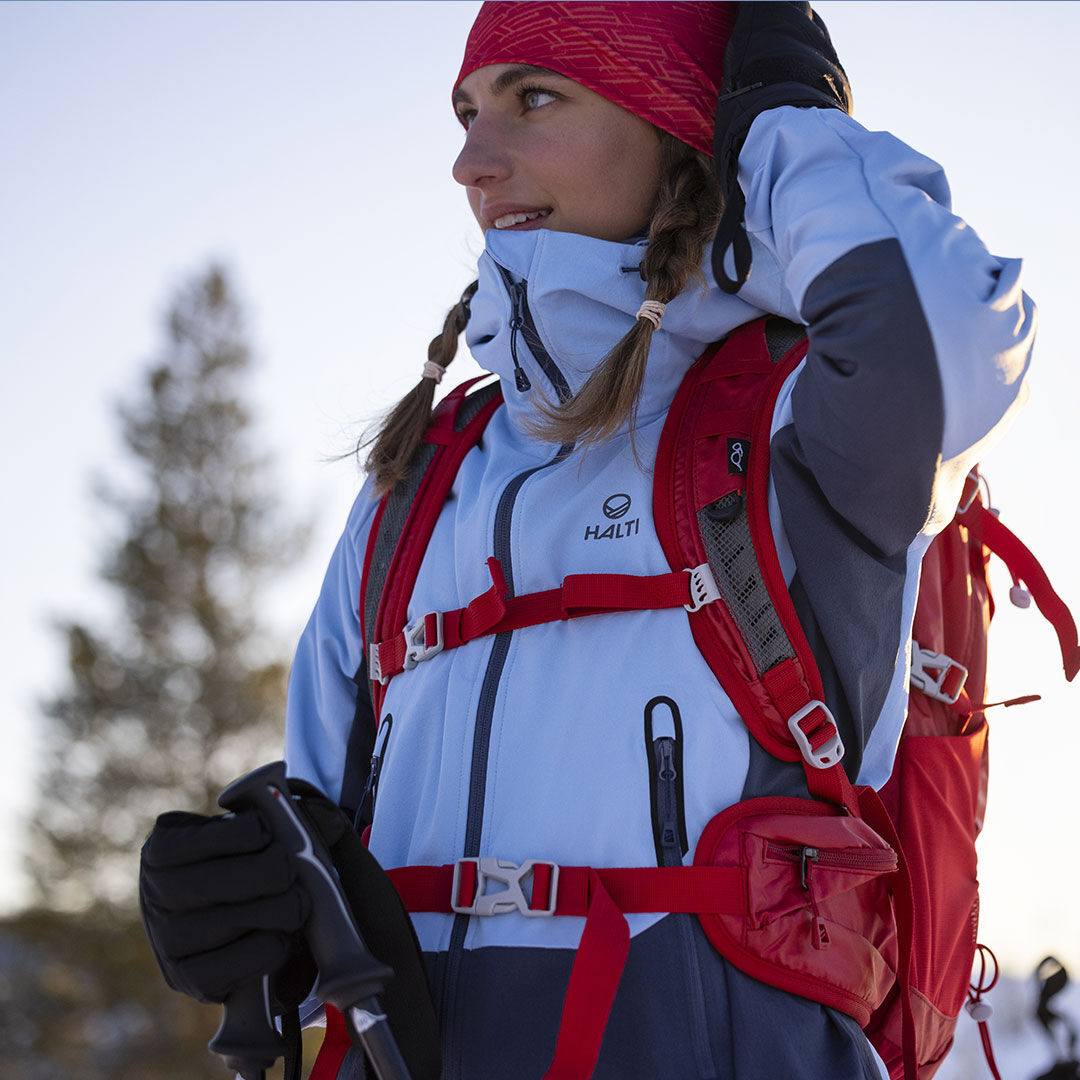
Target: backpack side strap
987, 528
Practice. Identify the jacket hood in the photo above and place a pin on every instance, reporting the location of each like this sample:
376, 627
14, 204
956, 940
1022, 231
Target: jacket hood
578, 296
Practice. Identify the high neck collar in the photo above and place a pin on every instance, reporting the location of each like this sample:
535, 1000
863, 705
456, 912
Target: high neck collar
560, 301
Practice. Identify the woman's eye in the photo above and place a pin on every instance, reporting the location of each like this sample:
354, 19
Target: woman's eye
533, 99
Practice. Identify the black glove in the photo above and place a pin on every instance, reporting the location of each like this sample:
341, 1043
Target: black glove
778, 54
221, 904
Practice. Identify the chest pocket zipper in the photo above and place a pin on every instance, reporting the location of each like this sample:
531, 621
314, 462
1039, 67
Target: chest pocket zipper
664, 747
663, 744
366, 811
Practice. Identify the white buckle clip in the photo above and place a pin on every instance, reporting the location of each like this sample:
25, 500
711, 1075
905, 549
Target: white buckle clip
416, 646
511, 898
938, 676
703, 587
830, 752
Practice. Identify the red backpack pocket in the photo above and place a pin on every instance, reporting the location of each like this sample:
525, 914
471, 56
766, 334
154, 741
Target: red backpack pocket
819, 920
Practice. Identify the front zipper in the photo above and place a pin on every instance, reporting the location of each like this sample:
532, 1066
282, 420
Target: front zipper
664, 746
489, 688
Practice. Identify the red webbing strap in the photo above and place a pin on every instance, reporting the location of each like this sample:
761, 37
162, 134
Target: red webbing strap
335, 1046
987, 529
594, 978
602, 896
493, 612
427, 504
691, 890
787, 688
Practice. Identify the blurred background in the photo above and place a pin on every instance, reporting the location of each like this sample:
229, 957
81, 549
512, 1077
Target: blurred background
228, 233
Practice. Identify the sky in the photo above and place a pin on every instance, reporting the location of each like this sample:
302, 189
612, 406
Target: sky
307, 148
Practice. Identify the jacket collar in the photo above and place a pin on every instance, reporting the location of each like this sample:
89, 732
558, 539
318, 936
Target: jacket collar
581, 295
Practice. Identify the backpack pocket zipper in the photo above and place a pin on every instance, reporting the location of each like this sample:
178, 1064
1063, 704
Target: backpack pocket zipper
869, 861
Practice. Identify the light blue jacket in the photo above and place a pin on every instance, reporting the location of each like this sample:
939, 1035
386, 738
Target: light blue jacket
532, 744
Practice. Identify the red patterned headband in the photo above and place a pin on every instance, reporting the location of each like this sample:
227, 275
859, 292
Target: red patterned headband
659, 60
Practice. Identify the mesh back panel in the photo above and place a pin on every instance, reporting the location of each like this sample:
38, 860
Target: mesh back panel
725, 531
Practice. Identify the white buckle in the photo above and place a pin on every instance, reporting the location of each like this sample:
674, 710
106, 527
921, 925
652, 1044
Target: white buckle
416, 646
703, 587
937, 675
511, 898
825, 756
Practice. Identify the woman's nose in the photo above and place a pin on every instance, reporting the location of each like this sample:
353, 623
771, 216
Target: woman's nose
484, 157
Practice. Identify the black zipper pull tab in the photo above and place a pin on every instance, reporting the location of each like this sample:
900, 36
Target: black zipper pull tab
517, 320
668, 808
819, 932
365, 812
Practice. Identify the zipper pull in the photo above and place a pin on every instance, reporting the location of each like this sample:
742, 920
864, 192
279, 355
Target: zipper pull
365, 812
517, 320
666, 776
819, 932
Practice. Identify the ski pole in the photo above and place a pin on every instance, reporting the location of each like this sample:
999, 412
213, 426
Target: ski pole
350, 978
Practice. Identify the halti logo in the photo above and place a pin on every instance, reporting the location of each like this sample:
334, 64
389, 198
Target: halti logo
615, 506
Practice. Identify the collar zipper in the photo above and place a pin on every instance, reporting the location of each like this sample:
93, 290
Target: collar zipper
523, 324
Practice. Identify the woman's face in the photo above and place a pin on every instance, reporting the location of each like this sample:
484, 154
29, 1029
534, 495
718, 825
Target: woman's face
543, 152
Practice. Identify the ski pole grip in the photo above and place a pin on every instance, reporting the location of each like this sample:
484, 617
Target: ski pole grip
248, 1040
348, 973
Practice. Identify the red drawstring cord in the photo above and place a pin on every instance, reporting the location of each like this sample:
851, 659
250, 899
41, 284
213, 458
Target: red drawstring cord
981, 1011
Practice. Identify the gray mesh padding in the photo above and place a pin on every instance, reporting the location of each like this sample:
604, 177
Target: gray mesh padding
474, 403
725, 530
393, 521
781, 335
400, 503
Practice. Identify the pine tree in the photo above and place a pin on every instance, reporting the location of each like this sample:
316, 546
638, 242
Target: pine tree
181, 692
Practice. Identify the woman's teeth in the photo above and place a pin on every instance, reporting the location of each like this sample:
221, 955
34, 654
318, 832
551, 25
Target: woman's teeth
507, 220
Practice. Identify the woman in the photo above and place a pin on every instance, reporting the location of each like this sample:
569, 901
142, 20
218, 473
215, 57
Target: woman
589, 130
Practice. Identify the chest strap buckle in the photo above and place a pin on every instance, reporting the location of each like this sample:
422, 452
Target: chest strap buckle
472, 875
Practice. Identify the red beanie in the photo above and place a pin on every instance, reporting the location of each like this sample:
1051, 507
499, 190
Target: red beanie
659, 60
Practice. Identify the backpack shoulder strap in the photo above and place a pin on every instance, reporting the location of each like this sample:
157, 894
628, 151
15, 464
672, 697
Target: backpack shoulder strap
407, 513
710, 503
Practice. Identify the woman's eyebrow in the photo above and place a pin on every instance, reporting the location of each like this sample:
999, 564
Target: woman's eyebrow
507, 79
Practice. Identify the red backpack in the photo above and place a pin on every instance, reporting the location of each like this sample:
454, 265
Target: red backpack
862, 901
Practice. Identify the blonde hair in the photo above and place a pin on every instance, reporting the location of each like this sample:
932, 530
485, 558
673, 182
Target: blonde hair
684, 220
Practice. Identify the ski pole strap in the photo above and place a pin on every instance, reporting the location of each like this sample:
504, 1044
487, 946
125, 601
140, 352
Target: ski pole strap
603, 896
1023, 565
493, 611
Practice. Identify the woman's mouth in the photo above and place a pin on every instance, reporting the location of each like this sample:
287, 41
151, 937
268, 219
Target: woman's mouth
517, 218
